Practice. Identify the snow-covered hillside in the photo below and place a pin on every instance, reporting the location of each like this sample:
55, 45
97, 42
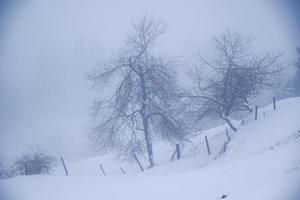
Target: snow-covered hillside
261, 162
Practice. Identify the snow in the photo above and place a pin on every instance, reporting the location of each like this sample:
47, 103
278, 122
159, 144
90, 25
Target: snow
261, 162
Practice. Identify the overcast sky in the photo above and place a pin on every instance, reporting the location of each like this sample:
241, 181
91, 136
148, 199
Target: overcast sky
47, 46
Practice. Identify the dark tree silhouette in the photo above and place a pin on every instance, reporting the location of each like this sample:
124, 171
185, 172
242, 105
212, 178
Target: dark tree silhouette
145, 98
35, 163
235, 75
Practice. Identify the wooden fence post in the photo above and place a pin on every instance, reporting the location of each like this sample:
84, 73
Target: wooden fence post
64, 165
207, 145
178, 151
122, 170
228, 138
274, 103
102, 170
137, 160
173, 155
256, 110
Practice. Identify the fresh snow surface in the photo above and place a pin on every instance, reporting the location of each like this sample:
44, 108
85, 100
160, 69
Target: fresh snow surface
261, 162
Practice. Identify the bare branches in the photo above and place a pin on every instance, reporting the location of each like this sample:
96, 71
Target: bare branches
36, 163
146, 85
146, 32
147, 102
237, 76
232, 46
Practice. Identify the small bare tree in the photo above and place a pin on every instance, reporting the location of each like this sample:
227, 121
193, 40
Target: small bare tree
35, 163
145, 98
234, 76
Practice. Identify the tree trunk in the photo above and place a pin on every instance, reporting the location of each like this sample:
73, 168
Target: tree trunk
228, 122
146, 123
148, 141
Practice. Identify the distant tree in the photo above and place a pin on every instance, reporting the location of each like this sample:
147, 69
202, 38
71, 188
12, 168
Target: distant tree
296, 82
35, 163
235, 76
4, 173
145, 95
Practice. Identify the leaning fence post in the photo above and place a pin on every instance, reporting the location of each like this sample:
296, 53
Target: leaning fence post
228, 138
274, 103
207, 145
256, 109
102, 170
137, 160
64, 165
122, 170
178, 151
173, 155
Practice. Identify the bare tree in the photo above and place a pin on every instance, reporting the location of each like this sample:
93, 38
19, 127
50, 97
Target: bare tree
235, 76
145, 98
36, 163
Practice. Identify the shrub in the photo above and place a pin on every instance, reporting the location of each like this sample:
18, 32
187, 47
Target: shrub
36, 163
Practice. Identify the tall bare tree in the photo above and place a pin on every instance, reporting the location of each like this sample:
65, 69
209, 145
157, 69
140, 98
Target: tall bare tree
234, 76
145, 98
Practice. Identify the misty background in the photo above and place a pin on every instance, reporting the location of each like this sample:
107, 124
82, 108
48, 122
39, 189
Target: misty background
47, 46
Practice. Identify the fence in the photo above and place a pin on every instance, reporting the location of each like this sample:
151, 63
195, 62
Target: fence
211, 145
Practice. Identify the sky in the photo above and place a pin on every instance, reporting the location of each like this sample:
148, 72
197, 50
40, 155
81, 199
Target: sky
47, 46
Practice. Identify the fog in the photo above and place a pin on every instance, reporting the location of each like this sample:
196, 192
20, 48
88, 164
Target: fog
47, 46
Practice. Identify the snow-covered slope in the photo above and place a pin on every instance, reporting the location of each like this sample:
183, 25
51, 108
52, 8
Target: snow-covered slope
261, 162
